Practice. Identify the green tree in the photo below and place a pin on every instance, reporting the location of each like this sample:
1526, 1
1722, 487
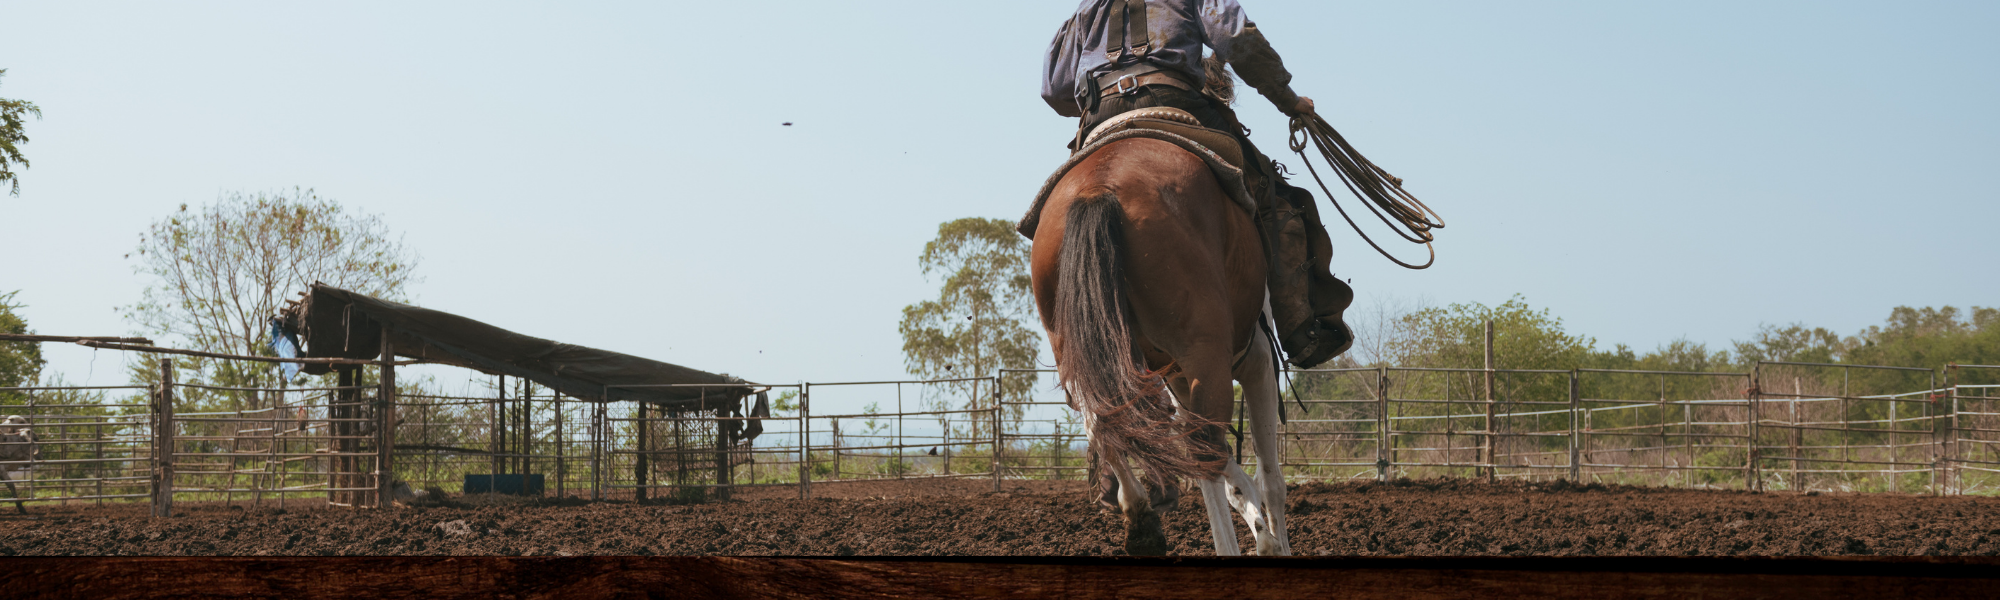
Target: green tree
20, 362
1455, 337
11, 137
219, 273
1794, 343
983, 320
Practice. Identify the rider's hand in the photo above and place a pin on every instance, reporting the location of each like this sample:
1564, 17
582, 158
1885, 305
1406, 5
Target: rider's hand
1304, 107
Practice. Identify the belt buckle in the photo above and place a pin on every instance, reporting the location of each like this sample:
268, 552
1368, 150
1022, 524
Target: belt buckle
1119, 85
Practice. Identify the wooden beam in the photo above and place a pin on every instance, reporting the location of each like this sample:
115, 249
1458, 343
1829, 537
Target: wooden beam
1162, 578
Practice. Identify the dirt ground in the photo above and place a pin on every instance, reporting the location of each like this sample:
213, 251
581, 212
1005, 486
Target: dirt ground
941, 518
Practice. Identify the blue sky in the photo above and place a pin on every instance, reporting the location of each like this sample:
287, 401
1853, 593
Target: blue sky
615, 174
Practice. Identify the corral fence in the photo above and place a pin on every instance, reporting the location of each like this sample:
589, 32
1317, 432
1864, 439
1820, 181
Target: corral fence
1780, 426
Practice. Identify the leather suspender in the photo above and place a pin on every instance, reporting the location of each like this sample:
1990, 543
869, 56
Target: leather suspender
1121, 38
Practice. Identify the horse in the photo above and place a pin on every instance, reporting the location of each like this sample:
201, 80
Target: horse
1149, 281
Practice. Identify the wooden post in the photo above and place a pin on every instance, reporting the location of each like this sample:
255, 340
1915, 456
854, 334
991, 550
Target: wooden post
1756, 471
1797, 437
495, 445
385, 425
641, 467
163, 443
996, 429
1753, 430
524, 433
1947, 428
1487, 446
562, 446
805, 442
1661, 410
722, 466
1687, 444
1575, 441
597, 446
1951, 438
1382, 437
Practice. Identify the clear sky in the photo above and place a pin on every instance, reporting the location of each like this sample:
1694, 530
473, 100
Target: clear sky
616, 175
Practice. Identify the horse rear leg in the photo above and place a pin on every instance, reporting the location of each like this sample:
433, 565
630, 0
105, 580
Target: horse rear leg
1144, 535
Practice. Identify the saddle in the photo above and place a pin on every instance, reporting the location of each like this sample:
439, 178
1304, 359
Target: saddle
1177, 122
1172, 125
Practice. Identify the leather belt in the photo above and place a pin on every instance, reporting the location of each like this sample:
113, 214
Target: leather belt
1126, 84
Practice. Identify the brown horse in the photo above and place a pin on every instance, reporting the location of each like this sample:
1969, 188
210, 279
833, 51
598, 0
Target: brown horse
1150, 280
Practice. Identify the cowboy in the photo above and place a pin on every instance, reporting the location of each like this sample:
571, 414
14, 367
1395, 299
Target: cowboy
1115, 56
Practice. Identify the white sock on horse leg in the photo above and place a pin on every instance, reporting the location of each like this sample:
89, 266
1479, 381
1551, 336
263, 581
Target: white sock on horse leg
1248, 498
1215, 499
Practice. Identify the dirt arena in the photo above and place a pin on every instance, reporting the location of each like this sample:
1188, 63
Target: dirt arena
959, 518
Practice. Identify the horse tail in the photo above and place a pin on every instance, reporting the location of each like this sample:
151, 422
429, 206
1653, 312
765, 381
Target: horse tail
1126, 406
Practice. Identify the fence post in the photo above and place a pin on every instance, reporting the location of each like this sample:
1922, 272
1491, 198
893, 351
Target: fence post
562, 445
642, 468
1755, 475
996, 430
1575, 443
723, 442
1951, 434
1933, 410
385, 425
163, 443
1382, 437
1487, 443
805, 441
493, 441
597, 446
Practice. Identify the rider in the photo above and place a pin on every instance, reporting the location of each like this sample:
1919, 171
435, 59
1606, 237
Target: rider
1115, 56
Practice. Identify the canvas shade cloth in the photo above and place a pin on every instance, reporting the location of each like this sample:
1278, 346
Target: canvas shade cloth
337, 323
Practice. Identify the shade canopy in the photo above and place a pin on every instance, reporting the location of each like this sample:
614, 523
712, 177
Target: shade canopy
337, 323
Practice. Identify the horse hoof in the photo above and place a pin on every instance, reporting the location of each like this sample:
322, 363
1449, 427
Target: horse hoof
1144, 536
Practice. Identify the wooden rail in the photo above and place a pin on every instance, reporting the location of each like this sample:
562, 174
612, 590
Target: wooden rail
1163, 578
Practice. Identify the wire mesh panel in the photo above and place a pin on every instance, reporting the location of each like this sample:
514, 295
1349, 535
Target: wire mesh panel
76, 444
1849, 428
1664, 428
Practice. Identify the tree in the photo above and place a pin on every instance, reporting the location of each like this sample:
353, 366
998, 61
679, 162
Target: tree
1455, 337
221, 272
11, 137
983, 319
1794, 343
20, 362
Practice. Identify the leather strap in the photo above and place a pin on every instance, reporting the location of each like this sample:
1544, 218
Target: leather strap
1130, 84
1129, 31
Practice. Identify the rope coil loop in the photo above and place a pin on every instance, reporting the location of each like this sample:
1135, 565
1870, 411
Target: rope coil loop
1380, 191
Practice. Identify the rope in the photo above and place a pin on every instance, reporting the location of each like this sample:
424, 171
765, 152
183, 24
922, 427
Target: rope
1380, 191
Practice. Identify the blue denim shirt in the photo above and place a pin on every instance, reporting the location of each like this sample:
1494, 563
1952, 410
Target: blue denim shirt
1178, 29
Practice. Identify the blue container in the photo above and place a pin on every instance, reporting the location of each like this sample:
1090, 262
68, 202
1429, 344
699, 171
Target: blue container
517, 485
